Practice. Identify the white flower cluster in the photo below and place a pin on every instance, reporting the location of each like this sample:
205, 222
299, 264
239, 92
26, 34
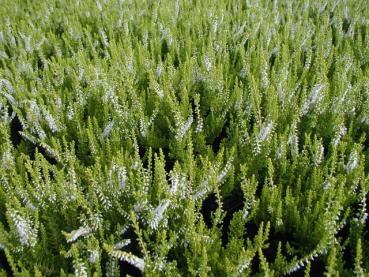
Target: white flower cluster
71, 184
200, 121
352, 162
110, 96
263, 136
158, 214
104, 38
293, 140
243, 72
158, 90
201, 191
34, 116
144, 126
70, 112
327, 184
166, 34
297, 266
362, 216
247, 207
302, 262
264, 76
50, 121
314, 97
8, 86
94, 256
129, 258
80, 232
319, 155
122, 176
105, 200
265, 131
281, 151
244, 262
340, 132
26, 232
225, 170
207, 63
6, 119
7, 159
121, 244
178, 184
79, 269
27, 42
94, 221
158, 70
183, 128
107, 129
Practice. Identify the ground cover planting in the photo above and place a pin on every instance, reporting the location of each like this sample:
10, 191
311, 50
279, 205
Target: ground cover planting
184, 138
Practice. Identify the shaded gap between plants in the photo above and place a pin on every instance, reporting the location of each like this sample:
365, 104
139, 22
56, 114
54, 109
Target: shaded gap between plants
4, 264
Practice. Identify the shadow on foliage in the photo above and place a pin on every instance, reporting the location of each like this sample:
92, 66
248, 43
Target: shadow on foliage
4, 265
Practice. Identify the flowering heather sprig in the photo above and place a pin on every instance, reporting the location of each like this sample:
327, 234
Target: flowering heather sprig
293, 140
174, 179
243, 265
7, 160
340, 132
158, 71
108, 129
8, 86
308, 258
264, 76
263, 136
319, 155
314, 97
183, 128
158, 214
9, 97
249, 202
122, 177
50, 151
110, 96
27, 42
104, 38
265, 131
352, 162
207, 63
200, 122
178, 184
79, 268
201, 191
225, 170
243, 72
82, 231
125, 256
327, 184
26, 232
122, 244
362, 215
50, 121
94, 256
159, 91
70, 112
145, 125
34, 109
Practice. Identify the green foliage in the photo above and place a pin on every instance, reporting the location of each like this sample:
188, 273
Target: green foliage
184, 138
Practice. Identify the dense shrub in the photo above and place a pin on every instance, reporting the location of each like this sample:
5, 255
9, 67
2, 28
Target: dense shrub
184, 138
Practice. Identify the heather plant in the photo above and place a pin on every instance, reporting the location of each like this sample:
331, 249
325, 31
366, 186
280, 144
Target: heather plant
184, 138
